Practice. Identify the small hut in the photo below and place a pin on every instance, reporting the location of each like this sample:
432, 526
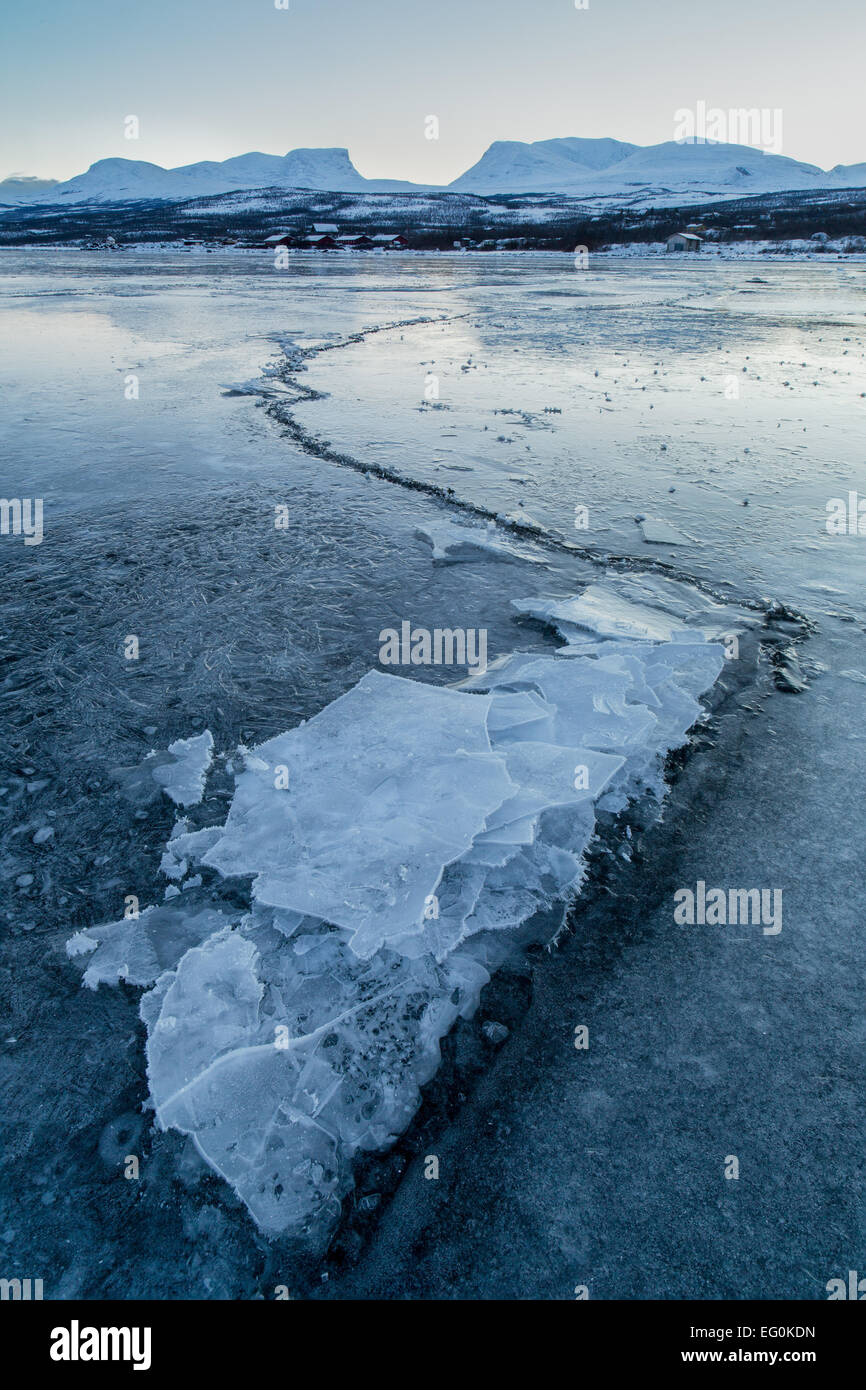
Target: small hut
684, 241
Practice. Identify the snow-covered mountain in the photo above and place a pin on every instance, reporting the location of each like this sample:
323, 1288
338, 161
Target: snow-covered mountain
546, 166
850, 175
610, 171
707, 169
119, 180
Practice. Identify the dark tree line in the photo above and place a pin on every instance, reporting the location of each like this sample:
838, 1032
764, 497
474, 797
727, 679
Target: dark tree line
435, 221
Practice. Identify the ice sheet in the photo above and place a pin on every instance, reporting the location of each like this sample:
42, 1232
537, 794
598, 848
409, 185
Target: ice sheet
397, 843
283, 1065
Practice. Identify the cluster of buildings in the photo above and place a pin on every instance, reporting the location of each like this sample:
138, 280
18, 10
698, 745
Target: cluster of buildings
326, 236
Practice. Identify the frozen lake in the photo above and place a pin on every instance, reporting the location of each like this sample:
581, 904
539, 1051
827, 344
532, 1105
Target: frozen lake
723, 404
677, 391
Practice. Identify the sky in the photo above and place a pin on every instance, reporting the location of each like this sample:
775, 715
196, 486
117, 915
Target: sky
208, 79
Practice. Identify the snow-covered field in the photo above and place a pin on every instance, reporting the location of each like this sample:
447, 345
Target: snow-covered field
618, 474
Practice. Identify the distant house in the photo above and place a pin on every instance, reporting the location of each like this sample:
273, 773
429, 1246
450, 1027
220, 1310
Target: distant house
390, 241
358, 242
319, 240
684, 241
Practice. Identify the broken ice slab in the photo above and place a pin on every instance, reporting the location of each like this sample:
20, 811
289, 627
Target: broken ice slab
138, 949
183, 777
513, 713
401, 843
452, 543
604, 613
640, 607
600, 611
283, 1066
549, 775
686, 601
379, 792
656, 531
591, 702
187, 847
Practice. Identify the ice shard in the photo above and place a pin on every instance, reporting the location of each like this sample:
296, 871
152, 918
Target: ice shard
183, 777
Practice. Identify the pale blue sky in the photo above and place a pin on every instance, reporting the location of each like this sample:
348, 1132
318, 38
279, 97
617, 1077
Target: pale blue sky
214, 78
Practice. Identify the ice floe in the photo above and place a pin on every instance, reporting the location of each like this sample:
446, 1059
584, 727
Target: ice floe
656, 531
645, 607
452, 543
183, 777
382, 789
392, 851
140, 947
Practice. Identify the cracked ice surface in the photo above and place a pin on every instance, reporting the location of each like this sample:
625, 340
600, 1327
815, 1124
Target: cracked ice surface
399, 843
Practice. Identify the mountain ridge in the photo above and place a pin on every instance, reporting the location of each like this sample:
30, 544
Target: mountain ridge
594, 169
